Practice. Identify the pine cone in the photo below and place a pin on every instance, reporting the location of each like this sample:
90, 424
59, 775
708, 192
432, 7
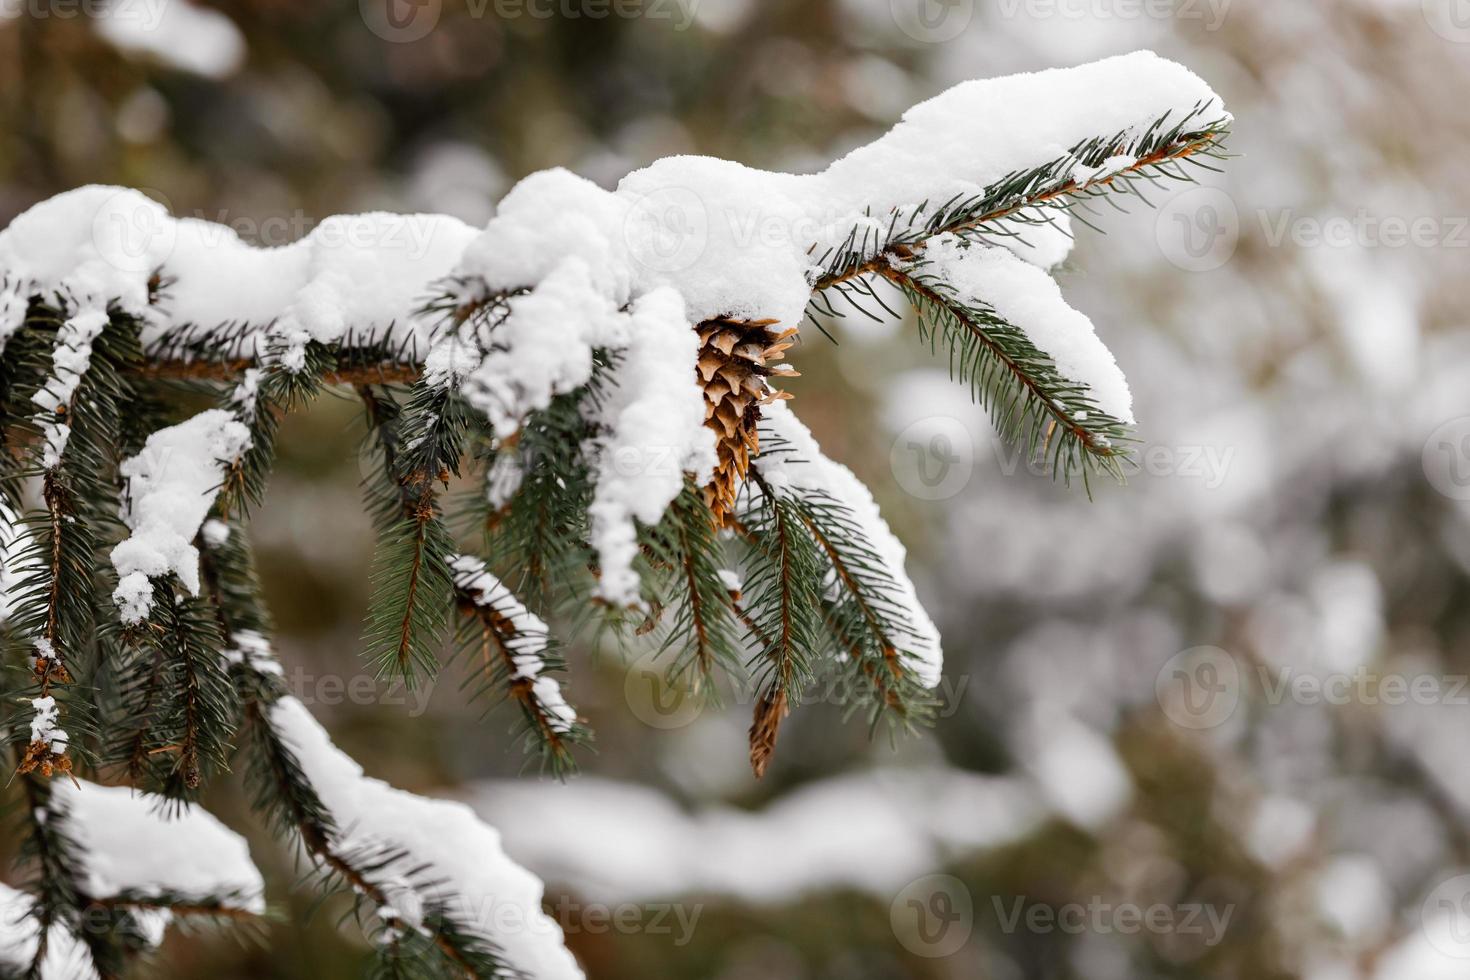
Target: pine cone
735, 363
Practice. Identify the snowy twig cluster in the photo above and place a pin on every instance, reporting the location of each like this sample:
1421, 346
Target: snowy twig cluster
611, 362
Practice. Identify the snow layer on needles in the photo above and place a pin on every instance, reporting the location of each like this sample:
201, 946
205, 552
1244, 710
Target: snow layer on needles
135, 847
1028, 298
171, 485
976, 133
528, 646
801, 466
453, 858
544, 346
95, 244
365, 274
656, 433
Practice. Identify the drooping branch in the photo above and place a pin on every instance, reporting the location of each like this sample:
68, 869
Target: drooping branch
1067, 193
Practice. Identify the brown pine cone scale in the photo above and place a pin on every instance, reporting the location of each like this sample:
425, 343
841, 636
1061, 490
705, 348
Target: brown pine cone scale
736, 361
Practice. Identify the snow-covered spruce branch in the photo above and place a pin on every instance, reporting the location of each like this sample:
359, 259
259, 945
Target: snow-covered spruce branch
428, 878
109, 873
610, 363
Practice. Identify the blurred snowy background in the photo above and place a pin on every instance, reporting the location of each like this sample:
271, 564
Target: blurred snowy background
1213, 724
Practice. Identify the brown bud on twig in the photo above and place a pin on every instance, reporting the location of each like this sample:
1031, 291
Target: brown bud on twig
769, 711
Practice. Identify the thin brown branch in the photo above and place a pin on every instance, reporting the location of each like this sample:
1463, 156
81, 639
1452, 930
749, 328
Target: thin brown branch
212, 909
900, 251
386, 373
496, 631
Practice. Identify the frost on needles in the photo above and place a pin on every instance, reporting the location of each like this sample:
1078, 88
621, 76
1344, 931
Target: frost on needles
608, 366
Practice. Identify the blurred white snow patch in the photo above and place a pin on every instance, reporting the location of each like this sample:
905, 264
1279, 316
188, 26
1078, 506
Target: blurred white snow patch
1354, 899
720, 16
1329, 970
876, 87
1437, 735
1279, 830
1076, 769
176, 33
698, 761
1349, 605
130, 847
143, 116
456, 178
926, 402
1230, 564
1377, 307
617, 841
1417, 958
